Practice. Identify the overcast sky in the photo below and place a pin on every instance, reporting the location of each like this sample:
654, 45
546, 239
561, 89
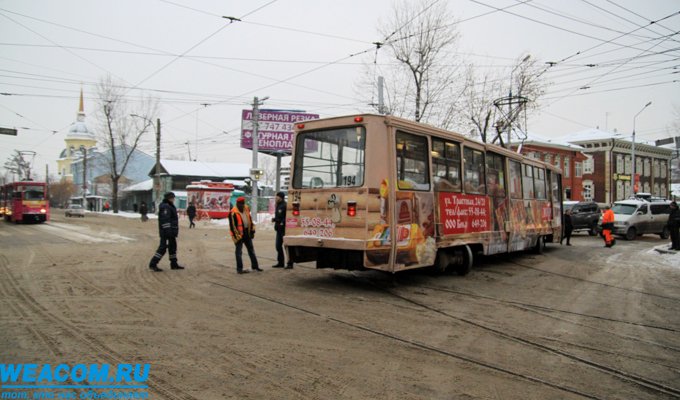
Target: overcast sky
205, 70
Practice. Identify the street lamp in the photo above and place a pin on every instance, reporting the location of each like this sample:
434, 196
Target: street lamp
157, 175
632, 187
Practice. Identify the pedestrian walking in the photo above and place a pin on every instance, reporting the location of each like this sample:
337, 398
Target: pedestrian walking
607, 226
106, 206
242, 233
568, 227
168, 229
143, 210
279, 221
191, 213
674, 226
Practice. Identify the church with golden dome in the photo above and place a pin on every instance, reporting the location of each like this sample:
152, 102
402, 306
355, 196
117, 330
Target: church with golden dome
78, 137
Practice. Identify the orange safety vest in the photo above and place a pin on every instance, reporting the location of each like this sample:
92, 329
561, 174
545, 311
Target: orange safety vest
236, 223
608, 217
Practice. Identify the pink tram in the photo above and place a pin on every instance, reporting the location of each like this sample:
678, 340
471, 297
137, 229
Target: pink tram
380, 192
212, 199
24, 201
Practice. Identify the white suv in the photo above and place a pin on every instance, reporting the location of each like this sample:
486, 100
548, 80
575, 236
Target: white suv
637, 217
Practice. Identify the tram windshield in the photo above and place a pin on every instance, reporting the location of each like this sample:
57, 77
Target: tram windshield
330, 158
33, 192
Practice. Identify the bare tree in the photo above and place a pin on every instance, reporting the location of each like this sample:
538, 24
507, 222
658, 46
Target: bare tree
492, 107
421, 38
120, 132
61, 191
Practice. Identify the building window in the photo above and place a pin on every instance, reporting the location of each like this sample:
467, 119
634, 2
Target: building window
588, 190
626, 190
548, 158
627, 165
638, 166
619, 164
558, 161
656, 168
588, 165
619, 190
646, 188
648, 171
578, 169
663, 169
662, 190
567, 167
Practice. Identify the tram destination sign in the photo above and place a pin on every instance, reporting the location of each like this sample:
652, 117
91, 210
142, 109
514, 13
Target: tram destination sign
275, 133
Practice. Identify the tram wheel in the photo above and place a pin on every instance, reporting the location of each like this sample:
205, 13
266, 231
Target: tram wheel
462, 260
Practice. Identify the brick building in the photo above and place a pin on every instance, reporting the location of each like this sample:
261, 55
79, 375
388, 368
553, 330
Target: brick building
565, 156
608, 167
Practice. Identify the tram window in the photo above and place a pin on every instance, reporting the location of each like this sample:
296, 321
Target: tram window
495, 175
473, 163
330, 158
446, 165
528, 181
539, 183
412, 162
515, 180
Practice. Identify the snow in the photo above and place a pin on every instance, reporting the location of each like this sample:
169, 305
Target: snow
205, 169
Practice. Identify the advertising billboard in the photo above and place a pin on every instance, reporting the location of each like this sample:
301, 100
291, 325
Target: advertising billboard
275, 133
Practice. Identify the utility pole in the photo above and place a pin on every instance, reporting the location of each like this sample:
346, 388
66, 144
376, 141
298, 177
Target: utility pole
83, 149
254, 172
157, 177
381, 99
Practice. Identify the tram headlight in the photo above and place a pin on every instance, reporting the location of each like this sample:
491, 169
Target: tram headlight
43, 211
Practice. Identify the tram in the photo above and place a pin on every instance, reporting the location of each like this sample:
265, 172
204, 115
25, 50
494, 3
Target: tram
212, 199
384, 193
24, 201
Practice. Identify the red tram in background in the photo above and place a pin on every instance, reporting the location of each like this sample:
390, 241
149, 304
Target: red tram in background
212, 199
24, 201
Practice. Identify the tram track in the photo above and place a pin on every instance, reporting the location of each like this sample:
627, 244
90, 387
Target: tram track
411, 342
101, 351
592, 282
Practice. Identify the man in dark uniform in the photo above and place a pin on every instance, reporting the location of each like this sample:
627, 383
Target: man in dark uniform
168, 229
279, 221
191, 213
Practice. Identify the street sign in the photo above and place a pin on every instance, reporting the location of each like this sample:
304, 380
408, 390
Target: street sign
8, 131
662, 142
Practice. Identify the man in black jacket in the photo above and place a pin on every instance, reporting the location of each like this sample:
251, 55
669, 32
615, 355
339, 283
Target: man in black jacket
279, 221
191, 213
674, 226
168, 229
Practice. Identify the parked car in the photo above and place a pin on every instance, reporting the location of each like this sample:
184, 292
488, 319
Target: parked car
634, 218
75, 210
584, 215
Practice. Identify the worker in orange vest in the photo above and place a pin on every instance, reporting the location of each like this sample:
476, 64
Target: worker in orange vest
607, 226
243, 232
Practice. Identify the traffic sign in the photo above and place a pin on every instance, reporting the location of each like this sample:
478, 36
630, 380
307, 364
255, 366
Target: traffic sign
8, 131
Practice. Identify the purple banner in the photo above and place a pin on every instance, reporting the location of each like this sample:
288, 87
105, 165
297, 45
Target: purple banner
275, 131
